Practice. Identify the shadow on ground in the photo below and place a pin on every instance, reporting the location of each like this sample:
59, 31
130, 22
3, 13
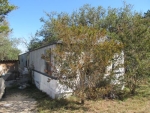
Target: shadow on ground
44, 102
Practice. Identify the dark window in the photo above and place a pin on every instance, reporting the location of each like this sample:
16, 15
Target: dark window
26, 63
48, 62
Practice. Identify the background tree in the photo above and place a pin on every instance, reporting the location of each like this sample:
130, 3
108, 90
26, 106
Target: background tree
8, 49
147, 14
47, 31
35, 42
123, 25
5, 8
82, 58
132, 30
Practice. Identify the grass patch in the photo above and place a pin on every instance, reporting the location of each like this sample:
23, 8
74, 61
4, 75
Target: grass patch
130, 104
46, 104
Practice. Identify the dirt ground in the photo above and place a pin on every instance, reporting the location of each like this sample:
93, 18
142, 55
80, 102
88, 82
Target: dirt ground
17, 100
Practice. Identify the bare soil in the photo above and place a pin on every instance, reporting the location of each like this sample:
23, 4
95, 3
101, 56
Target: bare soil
17, 100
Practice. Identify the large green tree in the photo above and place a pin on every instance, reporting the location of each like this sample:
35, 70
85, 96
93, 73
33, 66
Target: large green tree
132, 30
82, 58
129, 28
8, 48
123, 25
5, 8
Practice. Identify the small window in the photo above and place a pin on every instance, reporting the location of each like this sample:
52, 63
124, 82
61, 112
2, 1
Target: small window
26, 63
48, 62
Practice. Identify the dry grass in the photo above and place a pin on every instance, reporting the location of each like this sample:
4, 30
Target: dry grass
131, 104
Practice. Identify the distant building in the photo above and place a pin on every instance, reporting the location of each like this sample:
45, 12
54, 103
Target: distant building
9, 69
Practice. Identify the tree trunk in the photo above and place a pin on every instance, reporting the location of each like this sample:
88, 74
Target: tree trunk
82, 101
132, 91
82, 98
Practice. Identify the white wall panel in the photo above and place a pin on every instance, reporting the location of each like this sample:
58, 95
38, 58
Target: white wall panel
52, 88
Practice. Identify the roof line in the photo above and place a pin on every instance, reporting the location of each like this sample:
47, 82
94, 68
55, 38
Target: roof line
8, 60
52, 43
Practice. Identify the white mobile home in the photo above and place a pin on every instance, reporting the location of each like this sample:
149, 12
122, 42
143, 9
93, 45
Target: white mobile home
46, 83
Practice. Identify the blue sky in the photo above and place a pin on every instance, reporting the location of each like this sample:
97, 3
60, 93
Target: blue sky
25, 20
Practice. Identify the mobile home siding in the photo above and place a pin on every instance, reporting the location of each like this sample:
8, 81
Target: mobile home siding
52, 88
